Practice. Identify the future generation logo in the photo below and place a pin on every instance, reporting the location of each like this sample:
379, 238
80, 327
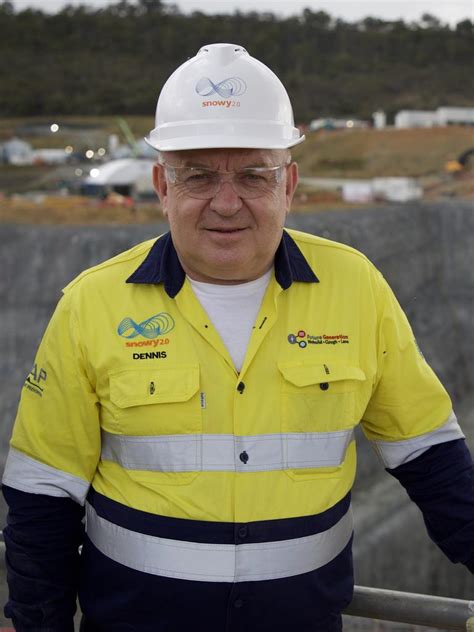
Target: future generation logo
298, 339
302, 339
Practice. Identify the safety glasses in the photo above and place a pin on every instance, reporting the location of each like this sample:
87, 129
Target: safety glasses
204, 184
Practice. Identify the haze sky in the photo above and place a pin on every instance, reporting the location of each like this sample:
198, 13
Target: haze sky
448, 11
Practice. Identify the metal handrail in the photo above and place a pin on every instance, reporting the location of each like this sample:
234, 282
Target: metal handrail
403, 607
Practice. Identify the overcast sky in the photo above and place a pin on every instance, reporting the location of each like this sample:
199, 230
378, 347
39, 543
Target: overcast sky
450, 11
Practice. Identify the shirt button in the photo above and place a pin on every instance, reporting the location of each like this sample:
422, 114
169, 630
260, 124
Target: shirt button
243, 531
324, 386
244, 457
238, 603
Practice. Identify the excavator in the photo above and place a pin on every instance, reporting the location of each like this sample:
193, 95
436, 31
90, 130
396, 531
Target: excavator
461, 163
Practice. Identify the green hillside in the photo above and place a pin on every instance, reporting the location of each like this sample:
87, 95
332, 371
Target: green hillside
116, 58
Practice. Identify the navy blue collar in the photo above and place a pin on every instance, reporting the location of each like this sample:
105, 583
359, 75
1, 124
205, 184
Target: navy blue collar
162, 265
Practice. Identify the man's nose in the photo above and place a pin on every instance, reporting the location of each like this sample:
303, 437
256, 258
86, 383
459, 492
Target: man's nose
226, 201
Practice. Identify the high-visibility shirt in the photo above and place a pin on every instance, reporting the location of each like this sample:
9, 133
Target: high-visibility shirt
210, 492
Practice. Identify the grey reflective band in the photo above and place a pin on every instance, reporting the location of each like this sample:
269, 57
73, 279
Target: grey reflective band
223, 452
29, 475
395, 453
217, 562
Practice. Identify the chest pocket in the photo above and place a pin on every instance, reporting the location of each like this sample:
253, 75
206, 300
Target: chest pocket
159, 401
320, 397
319, 408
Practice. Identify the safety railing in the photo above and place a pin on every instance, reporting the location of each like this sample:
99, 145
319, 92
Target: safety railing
424, 610
401, 607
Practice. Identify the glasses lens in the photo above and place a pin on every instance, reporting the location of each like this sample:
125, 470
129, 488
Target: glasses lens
252, 183
199, 182
204, 184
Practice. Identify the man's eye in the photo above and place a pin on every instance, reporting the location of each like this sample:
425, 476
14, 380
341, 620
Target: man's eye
198, 177
252, 177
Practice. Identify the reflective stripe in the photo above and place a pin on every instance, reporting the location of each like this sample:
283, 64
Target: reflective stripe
395, 453
217, 562
29, 475
195, 452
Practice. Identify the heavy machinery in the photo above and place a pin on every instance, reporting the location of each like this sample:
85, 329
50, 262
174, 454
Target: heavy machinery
462, 162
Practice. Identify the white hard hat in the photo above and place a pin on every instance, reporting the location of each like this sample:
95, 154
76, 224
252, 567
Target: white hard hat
223, 97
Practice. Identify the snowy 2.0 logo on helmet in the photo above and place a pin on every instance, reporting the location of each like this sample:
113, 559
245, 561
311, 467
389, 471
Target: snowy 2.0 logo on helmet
231, 87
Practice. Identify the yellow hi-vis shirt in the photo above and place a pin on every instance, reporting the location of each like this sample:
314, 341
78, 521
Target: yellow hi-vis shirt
133, 392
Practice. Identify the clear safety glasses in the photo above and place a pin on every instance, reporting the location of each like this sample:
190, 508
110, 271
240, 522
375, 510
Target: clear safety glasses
204, 184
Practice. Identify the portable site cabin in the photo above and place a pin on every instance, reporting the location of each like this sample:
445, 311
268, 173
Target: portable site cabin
131, 177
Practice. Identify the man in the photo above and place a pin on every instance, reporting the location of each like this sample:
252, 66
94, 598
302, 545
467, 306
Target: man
199, 393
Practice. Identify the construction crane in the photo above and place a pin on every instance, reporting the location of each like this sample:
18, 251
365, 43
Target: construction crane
129, 137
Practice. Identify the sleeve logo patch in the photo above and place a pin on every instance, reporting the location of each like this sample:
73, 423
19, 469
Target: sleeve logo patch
36, 380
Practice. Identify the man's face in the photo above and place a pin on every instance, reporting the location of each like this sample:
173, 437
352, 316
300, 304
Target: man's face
226, 239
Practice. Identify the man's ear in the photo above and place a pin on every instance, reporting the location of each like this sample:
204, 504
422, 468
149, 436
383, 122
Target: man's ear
161, 186
291, 183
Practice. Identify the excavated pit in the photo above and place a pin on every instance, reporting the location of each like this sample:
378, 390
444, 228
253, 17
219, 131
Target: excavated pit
426, 252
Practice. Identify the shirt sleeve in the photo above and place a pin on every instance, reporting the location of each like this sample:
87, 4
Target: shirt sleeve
441, 483
52, 459
412, 427
42, 539
409, 411
55, 445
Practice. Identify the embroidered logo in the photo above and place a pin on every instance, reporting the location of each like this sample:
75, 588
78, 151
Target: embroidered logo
298, 339
36, 380
303, 339
152, 327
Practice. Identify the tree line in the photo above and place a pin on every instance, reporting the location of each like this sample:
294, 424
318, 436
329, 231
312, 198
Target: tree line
114, 60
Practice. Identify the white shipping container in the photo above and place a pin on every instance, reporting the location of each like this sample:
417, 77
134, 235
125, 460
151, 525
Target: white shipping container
397, 189
455, 116
406, 119
357, 192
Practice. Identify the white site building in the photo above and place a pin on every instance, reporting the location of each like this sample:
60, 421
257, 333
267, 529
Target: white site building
16, 152
392, 189
380, 119
406, 119
126, 176
455, 116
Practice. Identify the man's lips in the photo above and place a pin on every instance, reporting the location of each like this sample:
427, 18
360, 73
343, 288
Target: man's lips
226, 230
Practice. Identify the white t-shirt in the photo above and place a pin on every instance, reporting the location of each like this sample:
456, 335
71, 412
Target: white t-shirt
232, 310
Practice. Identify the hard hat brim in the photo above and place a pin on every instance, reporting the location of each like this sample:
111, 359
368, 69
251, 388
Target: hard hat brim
213, 134
219, 143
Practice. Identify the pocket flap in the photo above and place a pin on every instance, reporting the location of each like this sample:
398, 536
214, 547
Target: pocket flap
139, 387
301, 374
